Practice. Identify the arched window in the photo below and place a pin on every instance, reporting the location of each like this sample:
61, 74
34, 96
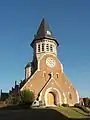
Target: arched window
51, 48
57, 75
43, 47
47, 47
70, 96
39, 48
44, 74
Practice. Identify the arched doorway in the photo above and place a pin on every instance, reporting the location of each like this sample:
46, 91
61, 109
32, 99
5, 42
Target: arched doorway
51, 98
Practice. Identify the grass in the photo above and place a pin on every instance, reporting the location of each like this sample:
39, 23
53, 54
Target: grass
71, 112
50, 113
31, 114
80, 111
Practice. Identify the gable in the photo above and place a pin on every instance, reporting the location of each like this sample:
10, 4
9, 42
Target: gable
38, 80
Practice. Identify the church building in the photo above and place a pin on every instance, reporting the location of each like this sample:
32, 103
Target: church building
44, 75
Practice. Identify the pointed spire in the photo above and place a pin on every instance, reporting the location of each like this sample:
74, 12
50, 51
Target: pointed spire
28, 65
44, 32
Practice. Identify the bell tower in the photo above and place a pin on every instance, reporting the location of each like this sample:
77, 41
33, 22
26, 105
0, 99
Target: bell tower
44, 41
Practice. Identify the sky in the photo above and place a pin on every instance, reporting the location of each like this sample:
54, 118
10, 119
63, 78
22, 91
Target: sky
69, 21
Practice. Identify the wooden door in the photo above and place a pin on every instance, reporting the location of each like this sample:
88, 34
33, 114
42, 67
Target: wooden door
50, 98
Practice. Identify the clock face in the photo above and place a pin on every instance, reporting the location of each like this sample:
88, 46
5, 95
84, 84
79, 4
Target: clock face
50, 62
48, 32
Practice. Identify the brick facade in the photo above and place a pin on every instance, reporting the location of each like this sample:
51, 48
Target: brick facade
46, 71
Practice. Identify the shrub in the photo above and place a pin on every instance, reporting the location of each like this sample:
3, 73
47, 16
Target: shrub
81, 107
27, 97
65, 105
41, 103
76, 104
13, 100
86, 102
89, 104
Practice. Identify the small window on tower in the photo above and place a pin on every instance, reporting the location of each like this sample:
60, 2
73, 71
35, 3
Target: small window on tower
47, 47
51, 48
43, 47
39, 48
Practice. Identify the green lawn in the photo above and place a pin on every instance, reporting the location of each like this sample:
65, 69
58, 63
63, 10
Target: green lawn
71, 112
50, 113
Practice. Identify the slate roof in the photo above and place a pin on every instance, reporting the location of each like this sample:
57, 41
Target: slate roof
44, 32
28, 65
